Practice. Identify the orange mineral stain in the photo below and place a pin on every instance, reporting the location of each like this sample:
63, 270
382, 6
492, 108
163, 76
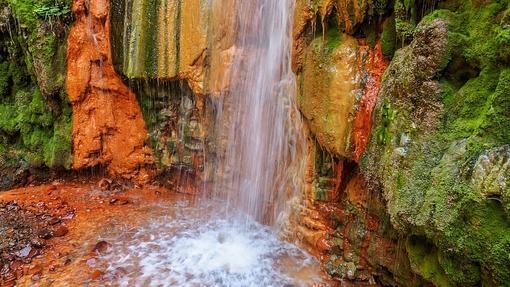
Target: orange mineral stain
108, 127
375, 66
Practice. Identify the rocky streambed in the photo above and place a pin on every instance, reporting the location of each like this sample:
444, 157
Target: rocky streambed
104, 233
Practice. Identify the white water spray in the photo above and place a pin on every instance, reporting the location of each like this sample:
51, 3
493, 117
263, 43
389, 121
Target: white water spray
259, 166
262, 165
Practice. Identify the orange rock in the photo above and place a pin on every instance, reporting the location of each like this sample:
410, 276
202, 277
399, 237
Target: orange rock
108, 128
96, 274
362, 126
60, 231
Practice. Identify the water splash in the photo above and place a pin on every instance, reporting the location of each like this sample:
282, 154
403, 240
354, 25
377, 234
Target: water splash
261, 164
197, 248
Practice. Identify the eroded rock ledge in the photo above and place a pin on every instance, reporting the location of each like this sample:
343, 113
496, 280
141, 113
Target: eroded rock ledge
108, 127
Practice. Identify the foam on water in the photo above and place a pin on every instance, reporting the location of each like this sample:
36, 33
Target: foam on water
197, 251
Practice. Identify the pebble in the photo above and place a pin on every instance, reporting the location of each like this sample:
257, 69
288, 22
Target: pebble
54, 221
96, 274
45, 234
24, 252
60, 231
101, 247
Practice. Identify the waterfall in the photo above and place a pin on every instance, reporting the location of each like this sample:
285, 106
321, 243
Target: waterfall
258, 127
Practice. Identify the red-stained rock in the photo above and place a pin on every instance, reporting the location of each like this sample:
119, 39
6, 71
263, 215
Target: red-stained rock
362, 126
108, 128
96, 274
60, 231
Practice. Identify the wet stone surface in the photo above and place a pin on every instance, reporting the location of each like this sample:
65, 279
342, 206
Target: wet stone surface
24, 230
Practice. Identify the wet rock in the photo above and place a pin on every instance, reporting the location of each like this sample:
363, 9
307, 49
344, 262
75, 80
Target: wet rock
37, 243
104, 184
96, 274
60, 231
119, 201
15, 265
35, 272
45, 234
491, 172
410, 78
91, 262
330, 93
24, 252
36, 277
54, 221
9, 232
9, 279
101, 247
53, 266
349, 270
36, 269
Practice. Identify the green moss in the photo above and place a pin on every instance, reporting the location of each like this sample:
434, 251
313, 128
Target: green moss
459, 270
469, 105
7, 119
495, 124
481, 29
371, 34
461, 237
32, 76
383, 132
320, 192
404, 24
388, 37
150, 33
333, 39
437, 14
424, 261
28, 127
57, 151
5, 79
30, 12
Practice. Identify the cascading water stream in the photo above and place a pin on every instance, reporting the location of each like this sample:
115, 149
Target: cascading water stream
259, 160
263, 161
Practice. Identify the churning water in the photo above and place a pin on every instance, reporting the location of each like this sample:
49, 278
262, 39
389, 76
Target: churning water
259, 167
195, 248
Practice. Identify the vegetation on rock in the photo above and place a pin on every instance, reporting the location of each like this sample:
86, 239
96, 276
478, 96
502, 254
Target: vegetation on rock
35, 118
440, 157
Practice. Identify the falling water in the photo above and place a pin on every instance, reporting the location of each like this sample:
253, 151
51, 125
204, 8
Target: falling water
259, 161
257, 119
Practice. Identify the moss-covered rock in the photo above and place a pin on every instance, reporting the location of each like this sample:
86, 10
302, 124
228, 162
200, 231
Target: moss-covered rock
389, 37
439, 150
175, 124
35, 117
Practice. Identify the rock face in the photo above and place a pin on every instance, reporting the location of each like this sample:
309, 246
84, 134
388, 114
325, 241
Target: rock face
108, 128
340, 219
35, 116
429, 180
491, 173
330, 90
162, 39
438, 150
339, 86
338, 75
